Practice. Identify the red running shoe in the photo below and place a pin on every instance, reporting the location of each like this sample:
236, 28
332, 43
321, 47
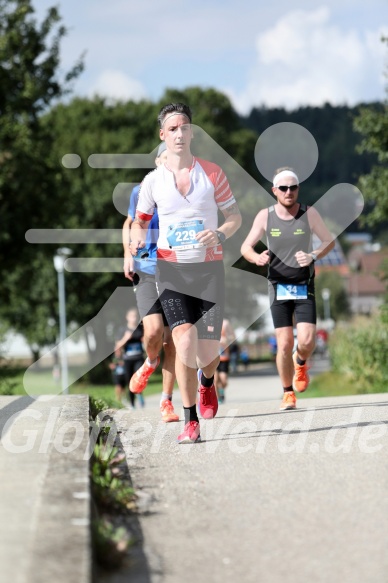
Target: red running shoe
190, 433
139, 380
208, 403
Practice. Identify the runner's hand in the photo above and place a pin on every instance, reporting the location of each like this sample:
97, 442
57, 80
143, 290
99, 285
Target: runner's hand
303, 259
208, 238
262, 258
136, 245
129, 266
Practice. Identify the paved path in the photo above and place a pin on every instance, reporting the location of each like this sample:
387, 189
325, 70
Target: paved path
258, 383
44, 490
268, 496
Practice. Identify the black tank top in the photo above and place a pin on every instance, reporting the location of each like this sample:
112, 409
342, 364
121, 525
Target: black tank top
133, 348
284, 239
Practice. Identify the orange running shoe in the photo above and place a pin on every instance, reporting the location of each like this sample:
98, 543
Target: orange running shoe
301, 379
139, 380
167, 411
289, 401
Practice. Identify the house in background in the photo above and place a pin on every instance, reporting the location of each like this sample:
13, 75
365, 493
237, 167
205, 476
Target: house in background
335, 260
361, 271
365, 285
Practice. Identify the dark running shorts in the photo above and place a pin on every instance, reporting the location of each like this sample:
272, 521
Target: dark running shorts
147, 297
119, 379
283, 311
223, 366
193, 293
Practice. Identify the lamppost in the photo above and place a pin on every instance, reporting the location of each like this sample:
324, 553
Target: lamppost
59, 264
326, 303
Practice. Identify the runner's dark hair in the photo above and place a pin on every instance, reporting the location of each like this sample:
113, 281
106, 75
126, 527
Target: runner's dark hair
171, 108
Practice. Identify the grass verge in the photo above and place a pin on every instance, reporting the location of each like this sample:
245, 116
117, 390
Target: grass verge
331, 384
12, 382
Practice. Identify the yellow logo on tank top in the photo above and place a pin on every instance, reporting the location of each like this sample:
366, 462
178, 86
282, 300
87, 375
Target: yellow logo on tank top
299, 232
275, 232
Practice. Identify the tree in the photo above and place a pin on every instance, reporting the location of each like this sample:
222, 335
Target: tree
91, 127
372, 123
29, 84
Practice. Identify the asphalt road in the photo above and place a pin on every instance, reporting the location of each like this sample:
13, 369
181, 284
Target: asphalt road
268, 496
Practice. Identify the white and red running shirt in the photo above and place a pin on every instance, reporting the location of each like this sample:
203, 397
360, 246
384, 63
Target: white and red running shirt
181, 217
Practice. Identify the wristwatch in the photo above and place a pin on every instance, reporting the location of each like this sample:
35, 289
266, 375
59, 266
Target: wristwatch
314, 257
221, 237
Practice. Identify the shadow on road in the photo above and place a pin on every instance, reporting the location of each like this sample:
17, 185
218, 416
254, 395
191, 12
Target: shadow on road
16, 406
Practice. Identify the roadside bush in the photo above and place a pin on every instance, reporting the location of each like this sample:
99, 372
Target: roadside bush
98, 375
7, 383
360, 352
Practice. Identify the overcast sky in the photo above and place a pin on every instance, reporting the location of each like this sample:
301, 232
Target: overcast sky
259, 53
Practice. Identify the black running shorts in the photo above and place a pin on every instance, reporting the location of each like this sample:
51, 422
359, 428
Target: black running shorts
147, 297
223, 366
284, 311
193, 293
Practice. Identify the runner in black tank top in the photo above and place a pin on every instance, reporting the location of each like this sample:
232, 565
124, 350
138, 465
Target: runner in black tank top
284, 239
289, 226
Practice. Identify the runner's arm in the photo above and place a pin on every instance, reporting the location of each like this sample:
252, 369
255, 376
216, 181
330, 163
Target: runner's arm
319, 228
232, 220
139, 232
144, 213
128, 258
129, 265
255, 234
121, 341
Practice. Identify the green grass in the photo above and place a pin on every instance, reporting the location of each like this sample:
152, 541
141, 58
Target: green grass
331, 384
328, 384
12, 381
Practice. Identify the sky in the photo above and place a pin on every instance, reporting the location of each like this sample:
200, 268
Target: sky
272, 54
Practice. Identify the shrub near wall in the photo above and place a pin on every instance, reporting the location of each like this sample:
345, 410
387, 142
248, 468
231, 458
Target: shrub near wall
361, 352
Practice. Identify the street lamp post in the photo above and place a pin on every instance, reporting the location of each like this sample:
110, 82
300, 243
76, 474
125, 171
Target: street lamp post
326, 303
59, 264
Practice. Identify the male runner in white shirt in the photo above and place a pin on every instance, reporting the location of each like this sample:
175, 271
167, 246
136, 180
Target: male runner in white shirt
188, 193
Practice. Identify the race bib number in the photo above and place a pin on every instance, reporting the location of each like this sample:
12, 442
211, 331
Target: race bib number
182, 235
133, 349
291, 292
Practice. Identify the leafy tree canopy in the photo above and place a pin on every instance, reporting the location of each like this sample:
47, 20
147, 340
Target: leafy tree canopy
29, 84
372, 124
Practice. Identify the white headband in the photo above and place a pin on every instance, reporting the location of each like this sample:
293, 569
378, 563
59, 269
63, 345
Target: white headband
285, 174
174, 113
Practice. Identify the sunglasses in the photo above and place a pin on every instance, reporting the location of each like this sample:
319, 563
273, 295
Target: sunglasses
293, 187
